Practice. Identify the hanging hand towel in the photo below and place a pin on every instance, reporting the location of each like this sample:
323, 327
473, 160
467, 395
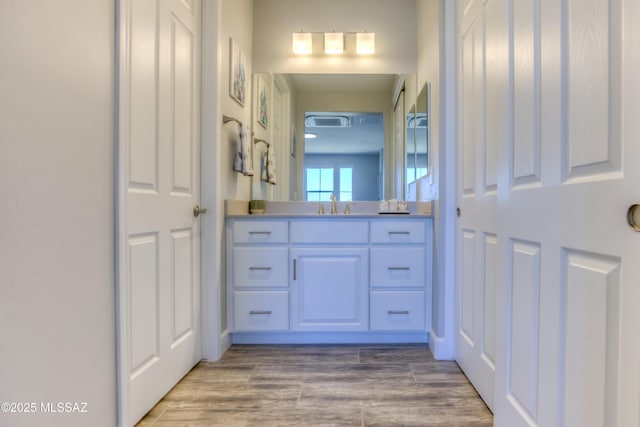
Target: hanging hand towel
264, 160
270, 168
243, 161
247, 149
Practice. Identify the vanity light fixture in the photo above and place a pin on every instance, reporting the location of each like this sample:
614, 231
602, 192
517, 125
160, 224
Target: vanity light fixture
310, 135
302, 43
365, 43
333, 43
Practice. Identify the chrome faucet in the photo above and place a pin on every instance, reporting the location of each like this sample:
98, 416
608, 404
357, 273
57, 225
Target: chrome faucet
334, 205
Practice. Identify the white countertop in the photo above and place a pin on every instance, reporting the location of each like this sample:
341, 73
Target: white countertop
364, 209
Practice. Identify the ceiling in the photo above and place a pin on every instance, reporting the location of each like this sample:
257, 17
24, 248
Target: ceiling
338, 82
364, 132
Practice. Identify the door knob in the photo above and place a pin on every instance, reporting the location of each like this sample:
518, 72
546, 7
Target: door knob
197, 210
458, 212
633, 215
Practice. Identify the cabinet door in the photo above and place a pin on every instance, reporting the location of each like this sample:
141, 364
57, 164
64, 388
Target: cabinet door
329, 289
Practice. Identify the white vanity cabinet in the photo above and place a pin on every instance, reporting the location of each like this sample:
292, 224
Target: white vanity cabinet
329, 279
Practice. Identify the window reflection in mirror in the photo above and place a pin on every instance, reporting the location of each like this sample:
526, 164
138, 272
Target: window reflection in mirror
343, 155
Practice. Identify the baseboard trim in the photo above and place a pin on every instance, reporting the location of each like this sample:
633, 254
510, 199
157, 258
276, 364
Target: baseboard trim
329, 338
439, 347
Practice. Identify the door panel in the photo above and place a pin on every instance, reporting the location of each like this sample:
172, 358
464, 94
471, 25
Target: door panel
183, 285
490, 276
592, 90
142, 97
143, 272
160, 145
591, 291
523, 325
526, 105
468, 286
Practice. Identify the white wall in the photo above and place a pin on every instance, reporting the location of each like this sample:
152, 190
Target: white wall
236, 23
393, 22
57, 321
222, 20
434, 32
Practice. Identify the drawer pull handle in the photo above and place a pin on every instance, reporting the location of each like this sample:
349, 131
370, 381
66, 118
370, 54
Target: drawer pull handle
260, 268
398, 312
265, 312
399, 268
295, 270
260, 232
399, 232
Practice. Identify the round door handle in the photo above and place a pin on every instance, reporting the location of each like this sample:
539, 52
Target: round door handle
197, 210
633, 217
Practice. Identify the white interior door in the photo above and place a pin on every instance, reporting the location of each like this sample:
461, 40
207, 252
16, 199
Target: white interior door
561, 86
477, 239
159, 289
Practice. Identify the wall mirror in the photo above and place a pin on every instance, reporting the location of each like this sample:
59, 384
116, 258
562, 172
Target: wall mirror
418, 138
299, 102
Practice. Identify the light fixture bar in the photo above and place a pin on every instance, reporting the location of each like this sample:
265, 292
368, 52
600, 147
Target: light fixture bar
334, 43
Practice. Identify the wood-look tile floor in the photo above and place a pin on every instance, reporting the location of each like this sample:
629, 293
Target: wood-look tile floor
322, 385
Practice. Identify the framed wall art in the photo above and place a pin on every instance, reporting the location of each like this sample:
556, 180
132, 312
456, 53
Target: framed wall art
237, 73
263, 111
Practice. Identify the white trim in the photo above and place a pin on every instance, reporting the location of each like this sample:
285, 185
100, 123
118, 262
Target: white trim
331, 338
213, 343
396, 92
447, 180
440, 347
122, 94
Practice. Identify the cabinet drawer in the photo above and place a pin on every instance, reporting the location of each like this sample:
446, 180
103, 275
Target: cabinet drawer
329, 231
261, 311
398, 311
397, 231
257, 231
397, 266
260, 267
